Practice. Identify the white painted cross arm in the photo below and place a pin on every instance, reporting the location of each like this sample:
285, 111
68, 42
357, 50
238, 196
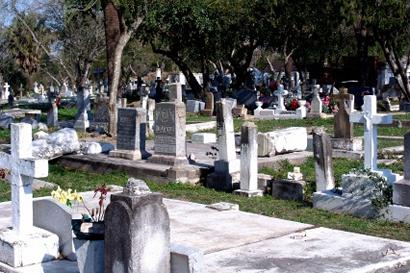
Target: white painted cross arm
361, 117
21, 160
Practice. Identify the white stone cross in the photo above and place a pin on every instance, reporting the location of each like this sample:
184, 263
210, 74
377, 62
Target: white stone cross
280, 92
23, 169
371, 119
6, 91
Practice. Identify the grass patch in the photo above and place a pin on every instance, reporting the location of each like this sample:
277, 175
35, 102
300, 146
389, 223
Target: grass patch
67, 113
196, 118
270, 125
340, 166
4, 136
385, 143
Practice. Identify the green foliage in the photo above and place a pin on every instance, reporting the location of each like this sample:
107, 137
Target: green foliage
67, 113
383, 192
4, 136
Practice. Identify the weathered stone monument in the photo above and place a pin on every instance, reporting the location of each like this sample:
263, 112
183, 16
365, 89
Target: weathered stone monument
52, 115
170, 134
227, 166
343, 129
291, 139
83, 104
175, 92
317, 104
131, 133
291, 188
371, 119
322, 152
249, 161
209, 104
137, 231
23, 244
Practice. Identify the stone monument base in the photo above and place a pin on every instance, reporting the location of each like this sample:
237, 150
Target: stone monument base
401, 193
169, 160
183, 174
396, 213
223, 181
128, 154
315, 115
81, 125
356, 206
389, 175
288, 189
207, 112
222, 166
346, 144
249, 193
33, 248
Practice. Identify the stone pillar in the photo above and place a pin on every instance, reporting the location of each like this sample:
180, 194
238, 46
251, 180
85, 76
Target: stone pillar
170, 134
131, 134
322, 150
401, 188
249, 161
317, 104
52, 115
137, 233
226, 133
227, 166
83, 103
150, 116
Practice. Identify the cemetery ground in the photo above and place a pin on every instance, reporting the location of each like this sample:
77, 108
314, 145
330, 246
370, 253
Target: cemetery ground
289, 210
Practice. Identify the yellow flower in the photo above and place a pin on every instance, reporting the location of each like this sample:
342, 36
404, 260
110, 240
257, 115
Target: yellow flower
76, 197
66, 197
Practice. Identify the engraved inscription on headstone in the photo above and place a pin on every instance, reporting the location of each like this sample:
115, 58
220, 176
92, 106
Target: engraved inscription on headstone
126, 138
165, 136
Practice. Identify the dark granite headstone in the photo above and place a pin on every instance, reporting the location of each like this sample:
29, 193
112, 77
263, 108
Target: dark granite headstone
101, 113
131, 133
137, 231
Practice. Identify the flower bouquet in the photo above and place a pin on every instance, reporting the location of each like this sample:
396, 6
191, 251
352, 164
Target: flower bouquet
91, 224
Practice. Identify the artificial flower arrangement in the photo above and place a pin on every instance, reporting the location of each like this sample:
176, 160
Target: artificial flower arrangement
91, 225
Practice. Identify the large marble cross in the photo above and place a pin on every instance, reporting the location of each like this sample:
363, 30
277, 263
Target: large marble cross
280, 93
371, 119
23, 169
6, 91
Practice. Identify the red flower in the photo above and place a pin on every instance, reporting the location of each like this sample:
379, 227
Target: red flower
294, 104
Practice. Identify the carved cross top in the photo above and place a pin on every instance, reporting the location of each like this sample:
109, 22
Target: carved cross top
23, 169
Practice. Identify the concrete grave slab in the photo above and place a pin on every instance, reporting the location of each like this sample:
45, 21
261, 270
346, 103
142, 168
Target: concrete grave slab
311, 251
209, 230
234, 241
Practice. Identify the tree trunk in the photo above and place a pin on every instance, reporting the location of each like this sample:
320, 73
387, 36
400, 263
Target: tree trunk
193, 83
397, 68
241, 64
115, 80
362, 54
112, 35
